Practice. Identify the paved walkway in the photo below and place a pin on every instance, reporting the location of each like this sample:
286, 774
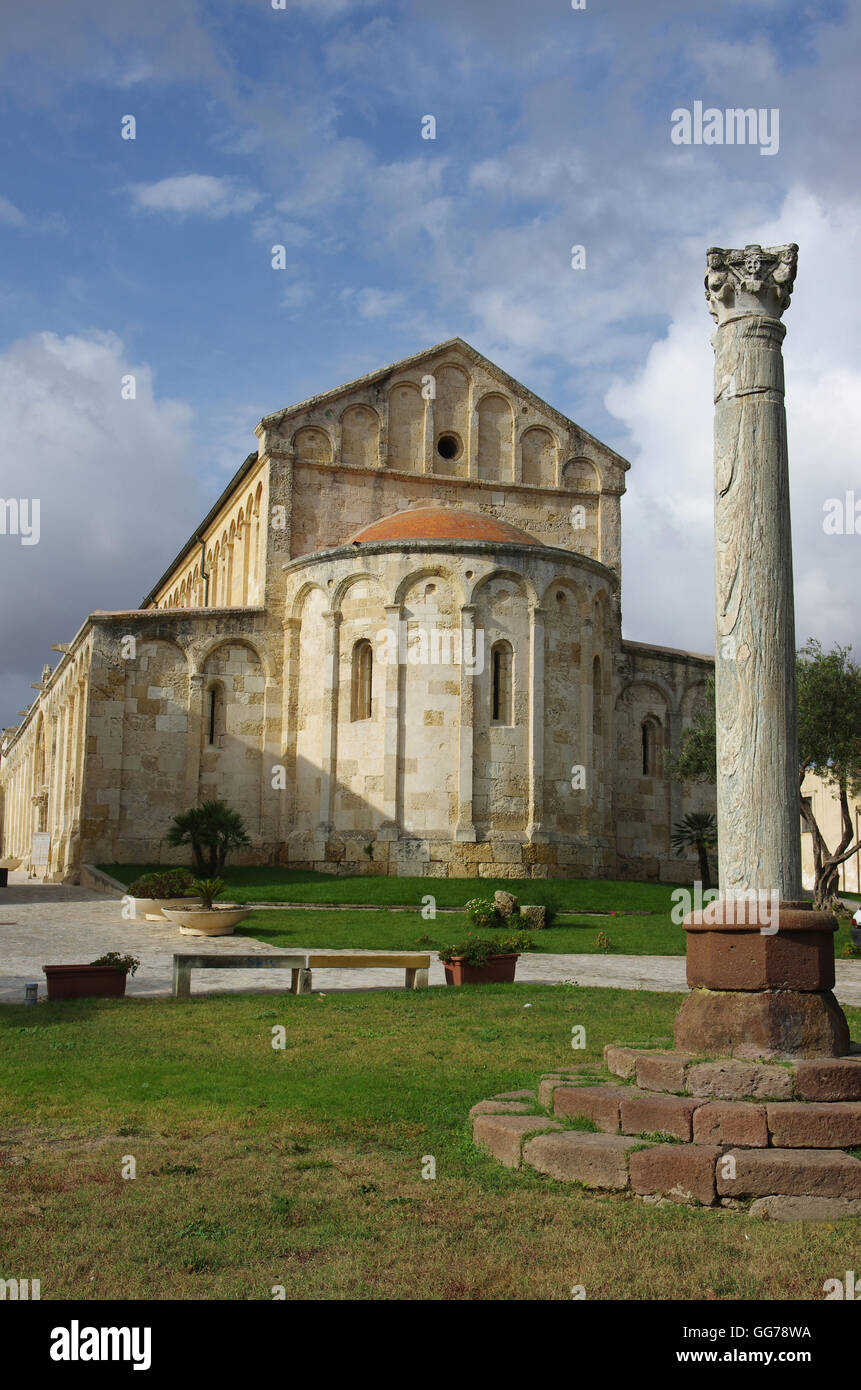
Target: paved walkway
47, 923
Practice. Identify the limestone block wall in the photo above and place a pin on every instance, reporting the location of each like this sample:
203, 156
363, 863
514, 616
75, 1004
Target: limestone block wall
656, 692
148, 751
42, 770
434, 779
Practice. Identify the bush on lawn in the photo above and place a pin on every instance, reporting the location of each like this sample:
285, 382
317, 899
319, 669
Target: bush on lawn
172, 883
483, 912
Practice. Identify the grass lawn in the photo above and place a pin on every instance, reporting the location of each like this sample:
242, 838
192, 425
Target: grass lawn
302, 1167
407, 931
636, 916
270, 885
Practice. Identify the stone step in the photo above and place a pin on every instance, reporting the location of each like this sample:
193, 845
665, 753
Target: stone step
729, 1078
788, 1173
618, 1109
829, 1181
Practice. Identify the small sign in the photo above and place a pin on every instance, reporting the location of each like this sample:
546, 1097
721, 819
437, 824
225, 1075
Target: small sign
41, 850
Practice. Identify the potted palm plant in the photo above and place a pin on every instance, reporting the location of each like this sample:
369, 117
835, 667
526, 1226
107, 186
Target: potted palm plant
484, 960
206, 917
102, 978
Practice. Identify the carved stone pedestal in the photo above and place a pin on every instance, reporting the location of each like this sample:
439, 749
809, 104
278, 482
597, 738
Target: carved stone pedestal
761, 988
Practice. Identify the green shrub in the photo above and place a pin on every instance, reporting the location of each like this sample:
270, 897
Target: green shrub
172, 883
483, 912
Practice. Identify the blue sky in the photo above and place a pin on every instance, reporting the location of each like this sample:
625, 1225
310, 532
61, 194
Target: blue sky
302, 127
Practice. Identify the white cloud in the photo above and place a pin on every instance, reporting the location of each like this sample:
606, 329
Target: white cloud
667, 406
113, 480
190, 194
11, 216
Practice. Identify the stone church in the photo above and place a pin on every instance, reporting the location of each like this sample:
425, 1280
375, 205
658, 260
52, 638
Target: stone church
393, 645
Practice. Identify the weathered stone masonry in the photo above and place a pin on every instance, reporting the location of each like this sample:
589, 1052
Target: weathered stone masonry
441, 503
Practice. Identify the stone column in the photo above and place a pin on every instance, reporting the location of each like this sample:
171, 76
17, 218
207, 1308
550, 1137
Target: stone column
465, 829
329, 748
535, 812
388, 829
757, 775
761, 970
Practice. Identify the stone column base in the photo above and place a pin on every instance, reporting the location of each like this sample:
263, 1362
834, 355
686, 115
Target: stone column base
762, 1024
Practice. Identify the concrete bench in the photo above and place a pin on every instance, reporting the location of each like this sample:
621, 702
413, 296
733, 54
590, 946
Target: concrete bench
188, 961
414, 964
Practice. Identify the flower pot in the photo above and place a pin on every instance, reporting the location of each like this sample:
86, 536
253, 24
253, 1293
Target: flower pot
497, 970
206, 921
84, 981
150, 909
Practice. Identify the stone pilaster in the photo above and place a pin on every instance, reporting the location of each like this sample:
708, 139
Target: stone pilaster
388, 829
757, 770
465, 829
329, 741
536, 724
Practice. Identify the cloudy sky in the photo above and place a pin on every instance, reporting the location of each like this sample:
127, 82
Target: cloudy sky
302, 126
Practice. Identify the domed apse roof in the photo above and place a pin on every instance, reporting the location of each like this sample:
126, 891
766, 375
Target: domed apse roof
442, 524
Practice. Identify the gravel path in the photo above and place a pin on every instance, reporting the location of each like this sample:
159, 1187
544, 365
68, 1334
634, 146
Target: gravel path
46, 923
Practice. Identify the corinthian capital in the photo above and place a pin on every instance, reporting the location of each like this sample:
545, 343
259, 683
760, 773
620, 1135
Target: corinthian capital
757, 280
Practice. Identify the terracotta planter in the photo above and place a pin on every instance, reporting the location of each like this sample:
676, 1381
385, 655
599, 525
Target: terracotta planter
202, 921
84, 981
497, 970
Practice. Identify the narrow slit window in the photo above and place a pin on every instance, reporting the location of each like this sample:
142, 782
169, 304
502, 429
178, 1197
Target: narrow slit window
362, 684
213, 715
651, 747
501, 666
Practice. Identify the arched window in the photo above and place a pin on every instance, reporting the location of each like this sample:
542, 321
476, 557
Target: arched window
501, 683
362, 683
650, 734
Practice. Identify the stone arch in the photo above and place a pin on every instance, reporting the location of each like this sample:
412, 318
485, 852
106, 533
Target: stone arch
349, 582
212, 645
523, 582
406, 427
360, 437
495, 437
502, 599
310, 604
312, 444
451, 417
581, 475
568, 587
300, 597
652, 745
232, 770
538, 452
429, 571
154, 745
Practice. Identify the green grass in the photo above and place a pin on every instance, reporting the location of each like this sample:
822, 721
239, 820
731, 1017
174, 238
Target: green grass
303, 1167
635, 916
407, 931
306, 886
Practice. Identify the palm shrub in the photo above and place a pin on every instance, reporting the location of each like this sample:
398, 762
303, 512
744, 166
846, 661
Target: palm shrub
213, 831
697, 830
206, 889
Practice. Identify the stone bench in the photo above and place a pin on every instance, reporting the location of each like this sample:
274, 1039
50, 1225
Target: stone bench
188, 961
414, 964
